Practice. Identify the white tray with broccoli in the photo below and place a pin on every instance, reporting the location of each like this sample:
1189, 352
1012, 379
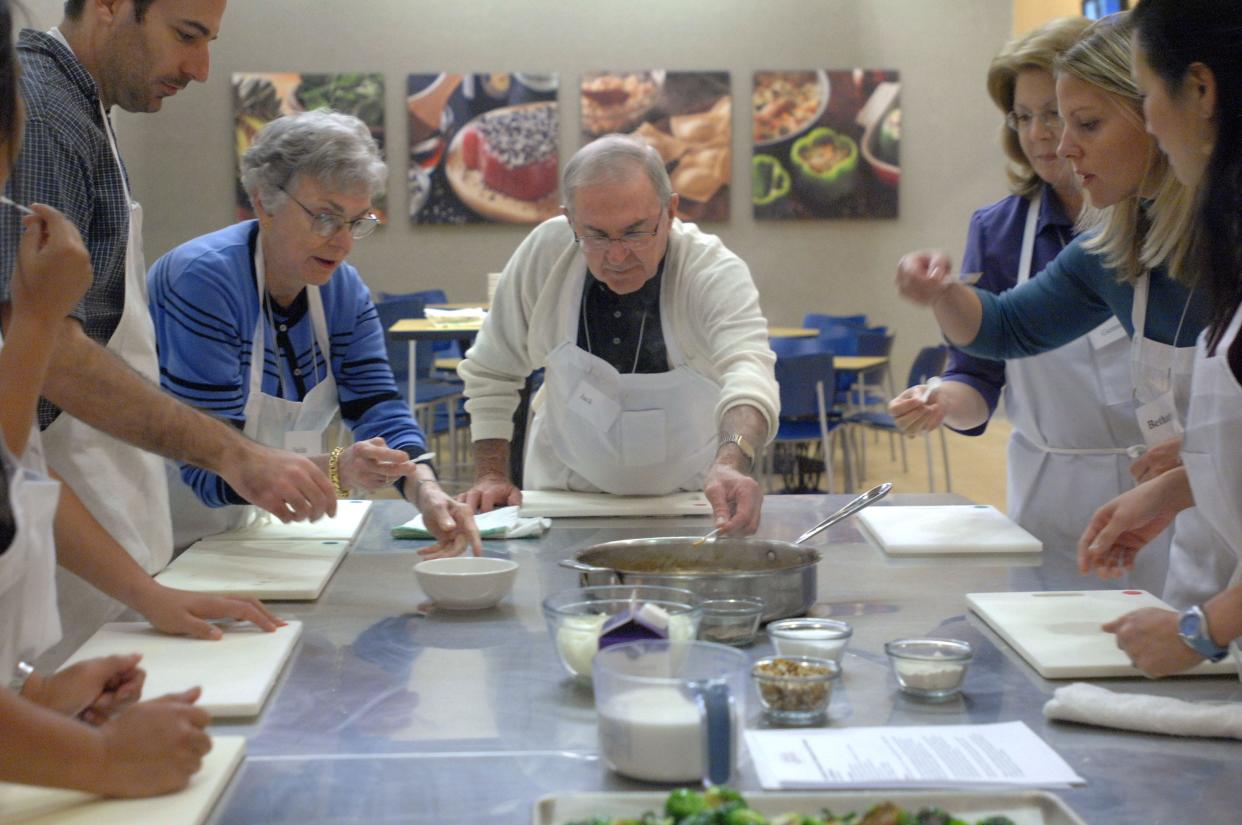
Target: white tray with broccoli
724, 806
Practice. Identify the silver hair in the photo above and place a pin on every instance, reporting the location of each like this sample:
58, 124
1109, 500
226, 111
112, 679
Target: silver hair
614, 158
333, 149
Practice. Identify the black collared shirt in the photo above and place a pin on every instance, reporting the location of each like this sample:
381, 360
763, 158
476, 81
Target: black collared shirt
620, 328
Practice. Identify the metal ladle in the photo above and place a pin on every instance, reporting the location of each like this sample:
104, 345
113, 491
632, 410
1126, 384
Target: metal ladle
865, 500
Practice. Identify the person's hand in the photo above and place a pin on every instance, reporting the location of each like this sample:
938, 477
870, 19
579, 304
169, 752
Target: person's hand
184, 613
372, 464
923, 276
287, 485
1149, 637
450, 521
94, 689
735, 498
912, 414
1121, 528
153, 747
1157, 460
490, 492
53, 267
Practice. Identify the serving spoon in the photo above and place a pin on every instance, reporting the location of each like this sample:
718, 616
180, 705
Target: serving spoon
865, 500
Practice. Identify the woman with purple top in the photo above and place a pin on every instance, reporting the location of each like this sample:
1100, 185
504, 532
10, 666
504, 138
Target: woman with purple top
1070, 407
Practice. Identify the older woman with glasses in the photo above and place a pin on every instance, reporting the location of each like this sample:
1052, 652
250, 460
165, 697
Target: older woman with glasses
264, 324
1070, 407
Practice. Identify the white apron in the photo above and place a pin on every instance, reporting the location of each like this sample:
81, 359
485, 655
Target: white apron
1212, 445
1070, 408
122, 486
277, 422
598, 430
1200, 562
29, 620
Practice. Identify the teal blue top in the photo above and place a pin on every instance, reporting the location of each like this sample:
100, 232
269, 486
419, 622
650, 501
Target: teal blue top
1074, 294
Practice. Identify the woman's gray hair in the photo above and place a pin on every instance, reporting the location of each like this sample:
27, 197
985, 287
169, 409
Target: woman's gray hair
610, 159
331, 148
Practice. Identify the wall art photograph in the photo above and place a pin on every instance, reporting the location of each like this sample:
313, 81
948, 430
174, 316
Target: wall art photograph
260, 97
483, 147
685, 116
825, 144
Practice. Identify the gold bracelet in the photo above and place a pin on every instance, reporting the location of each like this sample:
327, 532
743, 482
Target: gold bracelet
334, 471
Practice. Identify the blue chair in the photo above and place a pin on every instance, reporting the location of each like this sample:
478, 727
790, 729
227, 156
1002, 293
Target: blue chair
817, 320
806, 418
439, 349
929, 361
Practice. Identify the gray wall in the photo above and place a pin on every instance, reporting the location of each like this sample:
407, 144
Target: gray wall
181, 159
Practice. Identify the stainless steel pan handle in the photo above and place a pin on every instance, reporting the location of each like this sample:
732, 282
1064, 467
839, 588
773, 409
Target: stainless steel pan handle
870, 497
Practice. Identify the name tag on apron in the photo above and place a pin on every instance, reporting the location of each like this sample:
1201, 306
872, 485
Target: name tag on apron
594, 406
1158, 419
1106, 333
304, 442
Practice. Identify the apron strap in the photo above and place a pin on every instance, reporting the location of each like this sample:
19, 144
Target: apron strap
1028, 237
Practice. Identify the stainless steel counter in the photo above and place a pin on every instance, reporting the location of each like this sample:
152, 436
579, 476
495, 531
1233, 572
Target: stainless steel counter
388, 714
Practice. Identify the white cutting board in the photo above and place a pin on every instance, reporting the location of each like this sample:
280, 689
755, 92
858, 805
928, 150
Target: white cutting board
345, 525
189, 806
236, 672
564, 504
281, 570
1058, 632
949, 529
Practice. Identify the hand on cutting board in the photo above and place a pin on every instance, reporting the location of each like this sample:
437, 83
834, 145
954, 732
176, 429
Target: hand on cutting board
1149, 637
186, 613
1123, 526
736, 500
153, 747
489, 492
94, 689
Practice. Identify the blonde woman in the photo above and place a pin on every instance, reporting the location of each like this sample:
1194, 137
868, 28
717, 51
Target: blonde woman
1070, 407
1136, 233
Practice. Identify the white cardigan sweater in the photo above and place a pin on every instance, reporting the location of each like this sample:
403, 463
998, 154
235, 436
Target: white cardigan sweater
707, 298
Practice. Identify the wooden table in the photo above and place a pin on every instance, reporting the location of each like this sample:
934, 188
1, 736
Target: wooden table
792, 332
484, 305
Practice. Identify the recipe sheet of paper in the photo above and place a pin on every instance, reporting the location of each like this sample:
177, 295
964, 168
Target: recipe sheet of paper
940, 756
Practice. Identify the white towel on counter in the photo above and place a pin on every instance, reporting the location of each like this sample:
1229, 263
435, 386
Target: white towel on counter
1093, 705
501, 523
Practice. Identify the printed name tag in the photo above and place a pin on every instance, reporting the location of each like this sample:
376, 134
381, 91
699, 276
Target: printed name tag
304, 442
1158, 420
594, 406
1106, 333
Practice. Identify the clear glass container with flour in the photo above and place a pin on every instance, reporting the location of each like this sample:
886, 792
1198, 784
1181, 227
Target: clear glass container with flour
671, 711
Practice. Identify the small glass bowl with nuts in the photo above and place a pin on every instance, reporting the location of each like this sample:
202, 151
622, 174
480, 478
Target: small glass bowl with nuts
794, 690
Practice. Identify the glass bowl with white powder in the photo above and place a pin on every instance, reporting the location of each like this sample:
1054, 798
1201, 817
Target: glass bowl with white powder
929, 668
577, 617
820, 638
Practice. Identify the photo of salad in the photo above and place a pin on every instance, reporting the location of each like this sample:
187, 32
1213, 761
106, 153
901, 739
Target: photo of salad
261, 97
825, 144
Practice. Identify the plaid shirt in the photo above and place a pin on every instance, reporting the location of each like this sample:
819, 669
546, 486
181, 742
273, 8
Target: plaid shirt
66, 162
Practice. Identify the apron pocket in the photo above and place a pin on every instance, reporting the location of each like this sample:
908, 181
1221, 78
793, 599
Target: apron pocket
643, 438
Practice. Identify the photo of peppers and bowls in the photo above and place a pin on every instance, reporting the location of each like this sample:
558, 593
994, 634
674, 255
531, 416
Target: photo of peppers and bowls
261, 97
685, 116
826, 144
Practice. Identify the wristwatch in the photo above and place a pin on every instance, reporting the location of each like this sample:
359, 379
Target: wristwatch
742, 444
1193, 628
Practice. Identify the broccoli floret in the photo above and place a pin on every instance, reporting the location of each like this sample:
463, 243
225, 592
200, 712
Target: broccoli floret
996, 820
718, 795
684, 802
744, 816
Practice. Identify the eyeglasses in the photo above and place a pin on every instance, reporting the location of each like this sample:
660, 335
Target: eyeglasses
325, 224
631, 241
1021, 121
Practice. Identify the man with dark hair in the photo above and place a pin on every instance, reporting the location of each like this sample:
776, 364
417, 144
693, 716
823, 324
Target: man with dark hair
103, 375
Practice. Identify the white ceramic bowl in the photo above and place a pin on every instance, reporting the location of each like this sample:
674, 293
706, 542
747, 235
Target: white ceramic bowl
466, 582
